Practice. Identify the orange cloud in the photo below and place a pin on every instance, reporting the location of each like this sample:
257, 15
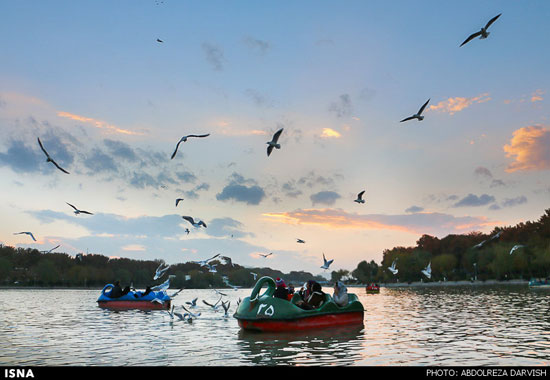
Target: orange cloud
537, 96
417, 223
530, 147
98, 123
330, 133
457, 104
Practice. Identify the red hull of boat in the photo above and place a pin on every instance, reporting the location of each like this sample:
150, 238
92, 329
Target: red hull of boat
319, 321
142, 305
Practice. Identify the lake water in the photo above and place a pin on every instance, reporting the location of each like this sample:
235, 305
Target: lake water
444, 326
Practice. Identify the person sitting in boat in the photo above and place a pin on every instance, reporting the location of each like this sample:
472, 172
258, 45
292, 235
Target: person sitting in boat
306, 290
117, 291
340, 295
315, 299
142, 294
290, 291
281, 291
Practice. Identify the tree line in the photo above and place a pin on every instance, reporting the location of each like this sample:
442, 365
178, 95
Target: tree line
452, 258
459, 257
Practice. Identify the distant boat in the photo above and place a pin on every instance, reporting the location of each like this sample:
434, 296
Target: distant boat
539, 283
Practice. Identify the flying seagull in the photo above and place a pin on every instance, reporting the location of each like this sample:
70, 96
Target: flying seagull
184, 139
273, 143
28, 233
269, 254
49, 158
327, 262
178, 201
428, 270
516, 247
192, 303
495, 236
418, 114
300, 241
203, 263
175, 294
77, 211
212, 268
226, 308
190, 316
220, 293
393, 269
51, 250
159, 40
360, 197
483, 33
254, 275
160, 271
187, 230
192, 221
215, 306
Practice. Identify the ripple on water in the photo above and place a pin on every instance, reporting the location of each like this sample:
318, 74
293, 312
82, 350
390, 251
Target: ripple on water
422, 326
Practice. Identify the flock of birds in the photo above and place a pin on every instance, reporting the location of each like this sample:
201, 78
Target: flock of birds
189, 316
271, 145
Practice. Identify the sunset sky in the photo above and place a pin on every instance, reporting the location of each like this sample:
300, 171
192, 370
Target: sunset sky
109, 103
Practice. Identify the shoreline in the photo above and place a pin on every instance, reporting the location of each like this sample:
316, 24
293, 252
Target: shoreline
418, 284
382, 285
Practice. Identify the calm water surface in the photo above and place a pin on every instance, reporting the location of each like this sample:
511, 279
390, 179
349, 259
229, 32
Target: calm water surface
462, 325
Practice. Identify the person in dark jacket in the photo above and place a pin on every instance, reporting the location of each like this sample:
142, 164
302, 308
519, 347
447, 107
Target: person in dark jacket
315, 299
281, 291
117, 291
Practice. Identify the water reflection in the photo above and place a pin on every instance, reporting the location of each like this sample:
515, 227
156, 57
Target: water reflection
475, 326
314, 347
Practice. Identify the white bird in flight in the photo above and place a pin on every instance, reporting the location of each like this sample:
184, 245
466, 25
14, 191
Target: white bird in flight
184, 139
77, 211
49, 159
269, 254
215, 306
226, 308
192, 303
189, 315
254, 275
428, 270
196, 224
393, 269
27, 233
273, 143
165, 285
417, 115
327, 262
178, 201
495, 236
483, 33
518, 246
360, 197
51, 250
160, 271
203, 263
212, 268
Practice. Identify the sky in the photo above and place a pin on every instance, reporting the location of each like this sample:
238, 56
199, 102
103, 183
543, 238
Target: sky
109, 103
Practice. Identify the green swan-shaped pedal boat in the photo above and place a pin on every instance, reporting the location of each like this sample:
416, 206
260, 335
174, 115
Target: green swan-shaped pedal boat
263, 312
